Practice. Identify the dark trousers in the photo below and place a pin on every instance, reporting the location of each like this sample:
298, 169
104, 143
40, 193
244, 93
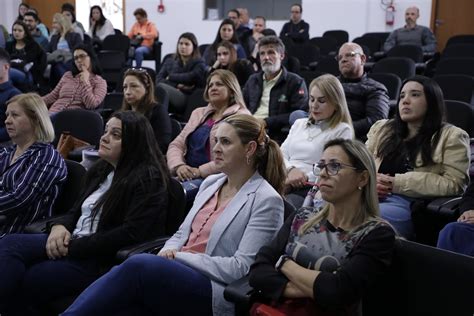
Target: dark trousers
28, 278
147, 283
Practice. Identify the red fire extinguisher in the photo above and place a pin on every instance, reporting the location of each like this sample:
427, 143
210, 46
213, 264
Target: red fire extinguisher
390, 14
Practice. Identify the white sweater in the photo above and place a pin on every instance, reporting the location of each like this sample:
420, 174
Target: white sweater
304, 145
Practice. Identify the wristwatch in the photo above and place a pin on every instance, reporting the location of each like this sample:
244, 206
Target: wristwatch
281, 261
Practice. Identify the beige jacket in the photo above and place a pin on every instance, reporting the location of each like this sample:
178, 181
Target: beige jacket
448, 175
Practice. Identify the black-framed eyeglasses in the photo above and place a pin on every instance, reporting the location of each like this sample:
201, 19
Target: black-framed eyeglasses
332, 168
80, 57
347, 55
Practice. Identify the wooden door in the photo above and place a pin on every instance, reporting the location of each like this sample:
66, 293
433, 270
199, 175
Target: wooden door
47, 9
451, 17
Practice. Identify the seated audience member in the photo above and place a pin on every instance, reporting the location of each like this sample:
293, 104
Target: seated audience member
251, 38
80, 88
234, 214
32, 171
329, 119
412, 34
418, 155
296, 29
99, 26
226, 32
61, 46
124, 201
183, 72
69, 12
7, 91
274, 93
26, 56
366, 98
459, 236
22, 9
190, 156
40, 25
139, 95
245, 19
240, 29
2, 37
142, 35
31, 20
227, 59
327, 258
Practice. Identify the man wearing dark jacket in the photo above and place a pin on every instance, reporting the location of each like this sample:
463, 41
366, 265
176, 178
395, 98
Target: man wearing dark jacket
274, 93
296, 29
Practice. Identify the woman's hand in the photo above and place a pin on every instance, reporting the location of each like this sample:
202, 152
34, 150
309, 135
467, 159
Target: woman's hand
467, 217
296, 178
168, 254
84, 75
384, 185
292, 291
58, 242
216, 64
185, 172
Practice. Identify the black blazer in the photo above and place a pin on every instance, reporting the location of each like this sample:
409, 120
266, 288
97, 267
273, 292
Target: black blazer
145, 218
161, 124
34, 54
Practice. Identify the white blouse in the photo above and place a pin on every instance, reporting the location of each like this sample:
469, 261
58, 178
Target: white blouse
304, 145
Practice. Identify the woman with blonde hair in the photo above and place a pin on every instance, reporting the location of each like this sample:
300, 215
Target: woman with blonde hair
328, 119
234, 214
326, 258
190, 155
60, 47
32, 171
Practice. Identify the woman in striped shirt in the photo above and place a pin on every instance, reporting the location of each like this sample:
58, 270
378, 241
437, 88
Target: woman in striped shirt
81, 88
31, 171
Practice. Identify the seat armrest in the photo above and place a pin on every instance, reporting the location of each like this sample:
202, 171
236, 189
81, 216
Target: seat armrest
446, 206
153, 246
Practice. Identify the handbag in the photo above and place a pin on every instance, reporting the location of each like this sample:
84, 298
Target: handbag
136, 41
300, 307
68, 143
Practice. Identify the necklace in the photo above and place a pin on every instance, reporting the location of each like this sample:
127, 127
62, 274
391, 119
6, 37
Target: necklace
315, 133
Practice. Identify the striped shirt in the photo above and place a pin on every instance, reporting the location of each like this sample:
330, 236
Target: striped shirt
72, 93
29, 186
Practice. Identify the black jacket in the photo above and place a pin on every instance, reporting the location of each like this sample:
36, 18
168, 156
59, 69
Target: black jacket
467, 202
287, 95
368, 102
191, 74
34, 54
161, 124
293, 31
145, 204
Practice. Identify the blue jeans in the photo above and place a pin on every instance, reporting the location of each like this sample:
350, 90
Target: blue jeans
28, 278
150, 283
139, 53
457, 237
396, 209
19, 78
295, 115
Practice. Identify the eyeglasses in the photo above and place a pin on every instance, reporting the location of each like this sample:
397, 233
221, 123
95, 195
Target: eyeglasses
332, 168
347, 56
80, 57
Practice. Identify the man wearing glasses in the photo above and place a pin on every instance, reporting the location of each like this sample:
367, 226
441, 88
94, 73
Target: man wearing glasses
366, 98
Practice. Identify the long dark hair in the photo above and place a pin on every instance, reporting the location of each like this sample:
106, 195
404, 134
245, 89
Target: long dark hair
140, 155
426, 140
101, 21
192, 38
28, 37
95, 69
218, 38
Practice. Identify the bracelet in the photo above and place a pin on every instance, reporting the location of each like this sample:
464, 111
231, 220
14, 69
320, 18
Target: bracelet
281, 261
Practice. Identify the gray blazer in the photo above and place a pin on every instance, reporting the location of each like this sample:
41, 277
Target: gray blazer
249, 221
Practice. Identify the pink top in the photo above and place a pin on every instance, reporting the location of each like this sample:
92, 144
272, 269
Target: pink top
72, 93
202, 225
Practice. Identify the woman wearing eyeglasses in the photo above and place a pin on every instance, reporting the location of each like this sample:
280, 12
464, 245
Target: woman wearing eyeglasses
328, 119
418, 154
82, 87
327, 259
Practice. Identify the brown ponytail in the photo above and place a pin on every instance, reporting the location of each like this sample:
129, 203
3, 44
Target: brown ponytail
268, 157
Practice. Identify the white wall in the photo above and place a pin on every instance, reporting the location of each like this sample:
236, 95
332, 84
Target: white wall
355, 16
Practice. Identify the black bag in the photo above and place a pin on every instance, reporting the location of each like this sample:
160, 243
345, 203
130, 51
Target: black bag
136, 41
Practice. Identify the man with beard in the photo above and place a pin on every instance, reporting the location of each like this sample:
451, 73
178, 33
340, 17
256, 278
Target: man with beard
412, 34
274, 93
31, 20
